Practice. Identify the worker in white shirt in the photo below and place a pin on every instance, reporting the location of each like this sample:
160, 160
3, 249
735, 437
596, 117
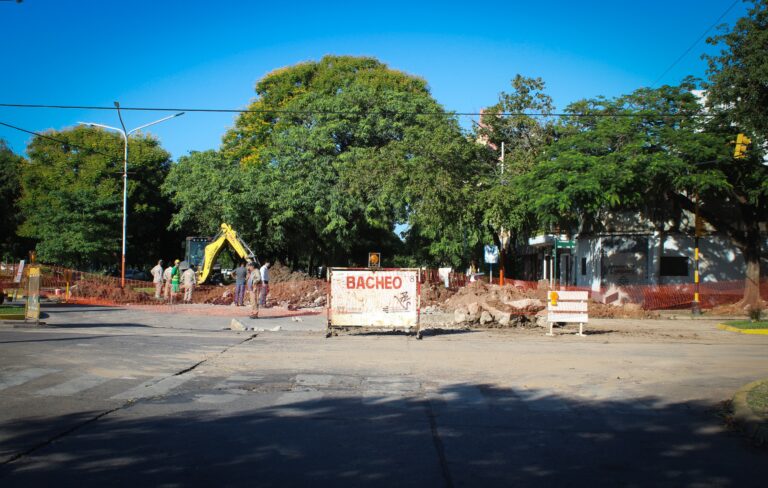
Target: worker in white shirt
264, 272
188, 280
167, 283
157, 278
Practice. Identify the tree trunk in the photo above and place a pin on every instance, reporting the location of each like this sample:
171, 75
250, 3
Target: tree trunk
750, 249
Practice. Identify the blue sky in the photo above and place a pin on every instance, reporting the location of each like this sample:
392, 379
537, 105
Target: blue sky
209, 54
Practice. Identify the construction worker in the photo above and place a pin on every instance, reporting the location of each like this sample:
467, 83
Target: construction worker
157, 278
167, 282
264, 271
240, 275
252, 285
188, 281
175, 278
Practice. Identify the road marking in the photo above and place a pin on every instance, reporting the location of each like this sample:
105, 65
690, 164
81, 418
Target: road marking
153, 388
73, 386
16, 378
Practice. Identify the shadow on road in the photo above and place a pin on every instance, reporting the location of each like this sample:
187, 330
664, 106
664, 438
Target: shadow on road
81, 325
57, 339
460, 435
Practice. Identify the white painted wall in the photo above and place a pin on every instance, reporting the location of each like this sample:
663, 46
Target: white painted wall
719, 261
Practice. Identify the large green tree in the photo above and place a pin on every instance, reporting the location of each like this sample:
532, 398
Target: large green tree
737, 95
10, 191
520, 123
72, 199
332, 156
653, 151
737, 87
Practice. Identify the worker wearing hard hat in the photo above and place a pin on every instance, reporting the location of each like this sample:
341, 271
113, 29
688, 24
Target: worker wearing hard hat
175, 278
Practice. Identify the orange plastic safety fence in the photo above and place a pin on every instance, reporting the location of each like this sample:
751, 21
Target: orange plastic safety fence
95, 289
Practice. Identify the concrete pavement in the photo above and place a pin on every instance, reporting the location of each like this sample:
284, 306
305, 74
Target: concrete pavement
125, 398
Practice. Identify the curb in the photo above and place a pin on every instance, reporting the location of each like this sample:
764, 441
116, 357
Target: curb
755, 426
742, 331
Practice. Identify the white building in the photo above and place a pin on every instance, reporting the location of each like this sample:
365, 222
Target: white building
631, 250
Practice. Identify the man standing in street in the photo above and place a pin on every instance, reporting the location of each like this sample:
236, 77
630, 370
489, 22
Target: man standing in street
188, 280
254, 277
264, 271
240, 275
157, 278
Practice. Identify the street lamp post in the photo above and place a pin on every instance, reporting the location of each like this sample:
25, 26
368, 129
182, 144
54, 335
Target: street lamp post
125, 133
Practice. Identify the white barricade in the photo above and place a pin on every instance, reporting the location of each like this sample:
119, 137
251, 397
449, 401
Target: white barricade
381, 298
568, 307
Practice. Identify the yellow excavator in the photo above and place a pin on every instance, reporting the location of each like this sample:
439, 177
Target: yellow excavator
202, 252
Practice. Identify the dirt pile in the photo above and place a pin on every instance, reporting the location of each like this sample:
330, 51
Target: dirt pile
626, 311
215, 295
109, 291
482, 292
279, 273
495, 306
736, 309
434, 295
289, 294
298, 294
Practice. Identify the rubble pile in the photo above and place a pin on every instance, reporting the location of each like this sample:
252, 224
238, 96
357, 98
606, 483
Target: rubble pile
434, 295
495, 306
298, 294
278, 273
291, 294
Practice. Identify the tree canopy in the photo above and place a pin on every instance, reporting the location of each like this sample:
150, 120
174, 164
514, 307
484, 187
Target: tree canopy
10, 191
523, 133
330, 158
72, 198
653, 151
737, 87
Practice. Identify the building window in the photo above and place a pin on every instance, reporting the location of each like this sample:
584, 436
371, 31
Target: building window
583, 266
674, 266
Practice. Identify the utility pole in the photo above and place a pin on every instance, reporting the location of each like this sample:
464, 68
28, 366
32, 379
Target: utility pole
125, 133
697, 226
502, 239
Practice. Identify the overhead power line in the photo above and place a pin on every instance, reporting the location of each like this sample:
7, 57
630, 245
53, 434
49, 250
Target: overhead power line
690, 48
60, 141
343, 112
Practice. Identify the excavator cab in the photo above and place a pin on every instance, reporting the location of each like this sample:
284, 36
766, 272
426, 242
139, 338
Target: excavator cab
202, 252
195, 251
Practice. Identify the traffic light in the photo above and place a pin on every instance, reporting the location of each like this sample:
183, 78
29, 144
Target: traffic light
740, 151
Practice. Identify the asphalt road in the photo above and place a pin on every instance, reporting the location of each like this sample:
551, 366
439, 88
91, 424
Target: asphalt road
114, 397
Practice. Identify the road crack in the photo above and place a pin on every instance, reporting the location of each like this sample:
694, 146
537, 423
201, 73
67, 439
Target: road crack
71, 430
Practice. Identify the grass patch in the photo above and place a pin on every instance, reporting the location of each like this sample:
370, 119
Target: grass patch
748, 324
757, 399
11, 309
11, 312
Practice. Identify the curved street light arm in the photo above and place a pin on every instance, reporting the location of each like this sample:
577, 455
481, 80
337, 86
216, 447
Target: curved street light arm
155, 122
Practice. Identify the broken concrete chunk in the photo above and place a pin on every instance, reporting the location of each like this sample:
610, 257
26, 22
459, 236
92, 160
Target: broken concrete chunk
531, 304
237, 325
461, 315
503, 318
485, 318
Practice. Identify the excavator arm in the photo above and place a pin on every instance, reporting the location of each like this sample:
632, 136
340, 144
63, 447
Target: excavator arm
212, 250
